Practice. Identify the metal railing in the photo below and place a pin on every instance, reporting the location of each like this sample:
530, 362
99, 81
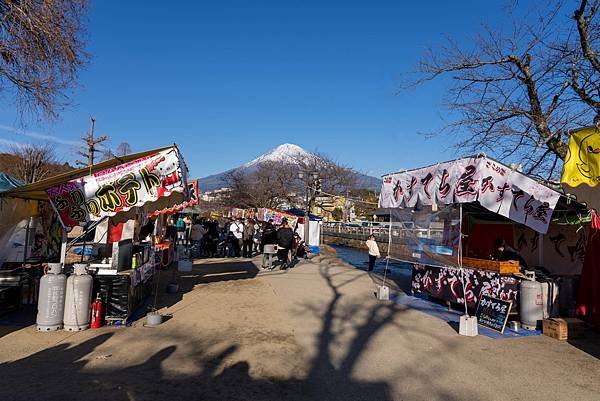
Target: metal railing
381, 231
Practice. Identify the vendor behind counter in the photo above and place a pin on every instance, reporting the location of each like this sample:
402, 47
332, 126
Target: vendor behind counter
504, 252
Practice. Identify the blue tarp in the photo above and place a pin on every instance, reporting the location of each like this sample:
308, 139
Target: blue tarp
7, 182
300, 213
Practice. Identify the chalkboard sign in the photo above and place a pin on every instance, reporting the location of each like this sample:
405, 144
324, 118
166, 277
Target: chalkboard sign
493, 312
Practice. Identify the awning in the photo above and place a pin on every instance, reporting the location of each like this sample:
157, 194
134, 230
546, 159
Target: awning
37, 190
300, 213
181, 207
495, 186
156, 179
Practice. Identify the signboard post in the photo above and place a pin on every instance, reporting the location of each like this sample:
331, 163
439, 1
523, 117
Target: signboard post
493, 312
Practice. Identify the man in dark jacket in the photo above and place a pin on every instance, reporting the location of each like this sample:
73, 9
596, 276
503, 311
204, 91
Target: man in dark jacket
285, 240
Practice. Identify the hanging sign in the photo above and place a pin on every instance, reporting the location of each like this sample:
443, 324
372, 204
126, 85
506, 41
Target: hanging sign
581, 171
497, 187
582, 164
120, 188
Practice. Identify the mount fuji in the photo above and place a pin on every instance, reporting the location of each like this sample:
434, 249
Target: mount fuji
285, 152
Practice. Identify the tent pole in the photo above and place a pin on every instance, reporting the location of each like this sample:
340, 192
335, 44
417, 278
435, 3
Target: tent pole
460, 258
63, 247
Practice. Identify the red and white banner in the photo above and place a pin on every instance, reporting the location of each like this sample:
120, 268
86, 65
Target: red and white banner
118, 189
194, 197
497, 187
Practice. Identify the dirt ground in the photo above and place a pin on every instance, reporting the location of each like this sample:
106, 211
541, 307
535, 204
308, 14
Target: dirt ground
314, 332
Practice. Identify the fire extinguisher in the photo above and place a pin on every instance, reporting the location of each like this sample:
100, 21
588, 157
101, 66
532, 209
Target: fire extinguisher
96, 313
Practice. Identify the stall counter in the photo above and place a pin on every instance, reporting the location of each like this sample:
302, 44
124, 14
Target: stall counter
444, 283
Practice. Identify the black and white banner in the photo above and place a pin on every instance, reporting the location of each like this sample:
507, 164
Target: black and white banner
497, 188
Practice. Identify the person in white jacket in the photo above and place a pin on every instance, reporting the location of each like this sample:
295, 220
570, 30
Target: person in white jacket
373, 251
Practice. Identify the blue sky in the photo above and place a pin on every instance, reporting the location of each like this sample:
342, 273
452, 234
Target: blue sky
227, 81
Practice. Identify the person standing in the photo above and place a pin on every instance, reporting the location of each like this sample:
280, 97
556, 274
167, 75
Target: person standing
247, 238
180, 224
269, 235
257, 237
285, 241
197, 235
373, 251
237, 229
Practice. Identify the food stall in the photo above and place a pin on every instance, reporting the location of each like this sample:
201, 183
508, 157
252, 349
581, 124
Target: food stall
163, 247
444, 219
114, 198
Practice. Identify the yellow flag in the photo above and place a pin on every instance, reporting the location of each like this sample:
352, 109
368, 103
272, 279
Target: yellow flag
582, 164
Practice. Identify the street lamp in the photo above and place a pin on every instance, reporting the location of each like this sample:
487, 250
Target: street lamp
313, 187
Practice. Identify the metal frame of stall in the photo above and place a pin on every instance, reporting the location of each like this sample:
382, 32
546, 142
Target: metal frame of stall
37, 191
575, 207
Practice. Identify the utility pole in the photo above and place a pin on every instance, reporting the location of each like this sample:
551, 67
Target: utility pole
90, 143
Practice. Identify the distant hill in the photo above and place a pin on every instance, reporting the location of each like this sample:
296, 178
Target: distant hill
286, 151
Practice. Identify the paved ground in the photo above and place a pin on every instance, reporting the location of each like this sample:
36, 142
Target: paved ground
314, 332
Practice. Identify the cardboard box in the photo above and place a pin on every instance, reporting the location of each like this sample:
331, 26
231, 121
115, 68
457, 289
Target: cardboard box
563, 328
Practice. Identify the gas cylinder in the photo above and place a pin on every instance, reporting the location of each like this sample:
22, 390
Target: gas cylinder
97, 309
531, 304
51, 299
77, 299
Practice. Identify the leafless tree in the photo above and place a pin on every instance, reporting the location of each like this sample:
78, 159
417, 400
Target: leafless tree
270, 185
518, 90
33, 162
107, 154
336, 178
275, 183
123, 149
585, 69
91, 147
41, 52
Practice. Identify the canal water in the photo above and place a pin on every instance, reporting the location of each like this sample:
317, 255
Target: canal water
399, 272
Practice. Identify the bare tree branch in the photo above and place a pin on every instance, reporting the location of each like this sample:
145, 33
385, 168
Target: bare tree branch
41, 52
33, 162
513, 90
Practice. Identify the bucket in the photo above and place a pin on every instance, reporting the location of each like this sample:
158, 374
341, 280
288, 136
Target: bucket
514, 325
153, 319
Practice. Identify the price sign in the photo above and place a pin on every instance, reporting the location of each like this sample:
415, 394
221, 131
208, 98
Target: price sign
493, 312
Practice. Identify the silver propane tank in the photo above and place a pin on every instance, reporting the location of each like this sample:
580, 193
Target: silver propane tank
78, 299
51, 299
531, 304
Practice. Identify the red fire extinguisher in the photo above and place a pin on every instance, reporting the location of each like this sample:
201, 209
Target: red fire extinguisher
96, 313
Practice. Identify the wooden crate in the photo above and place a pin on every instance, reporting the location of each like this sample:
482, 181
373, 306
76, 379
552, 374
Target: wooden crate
502, 267
563, 329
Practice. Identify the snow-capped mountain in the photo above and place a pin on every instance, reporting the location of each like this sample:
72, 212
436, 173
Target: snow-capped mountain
285, 152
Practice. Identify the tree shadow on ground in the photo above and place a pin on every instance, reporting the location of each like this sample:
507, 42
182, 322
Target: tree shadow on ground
74, 371
332, 375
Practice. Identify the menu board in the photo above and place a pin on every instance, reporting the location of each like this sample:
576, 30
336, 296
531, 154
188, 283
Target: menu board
493, 312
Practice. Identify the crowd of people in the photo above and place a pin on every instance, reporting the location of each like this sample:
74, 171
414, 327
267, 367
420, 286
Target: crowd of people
236, 237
